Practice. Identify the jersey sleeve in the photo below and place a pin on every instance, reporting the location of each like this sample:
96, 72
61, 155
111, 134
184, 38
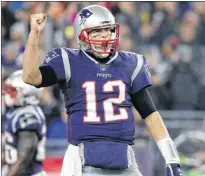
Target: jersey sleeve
58, 60
141, 76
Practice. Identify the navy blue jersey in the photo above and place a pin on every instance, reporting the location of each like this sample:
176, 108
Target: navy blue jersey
27, 118
98, 96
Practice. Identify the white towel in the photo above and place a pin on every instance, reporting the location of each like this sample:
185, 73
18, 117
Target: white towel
72, 165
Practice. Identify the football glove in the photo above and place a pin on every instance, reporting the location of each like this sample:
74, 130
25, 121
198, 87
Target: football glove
173, 169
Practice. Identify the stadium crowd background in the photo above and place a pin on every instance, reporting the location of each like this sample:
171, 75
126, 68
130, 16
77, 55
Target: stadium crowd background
171, 35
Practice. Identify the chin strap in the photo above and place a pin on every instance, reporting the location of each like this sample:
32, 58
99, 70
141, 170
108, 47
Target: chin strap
101, 56
97, 58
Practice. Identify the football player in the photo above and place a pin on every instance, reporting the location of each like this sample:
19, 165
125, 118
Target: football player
100, 84
25, 128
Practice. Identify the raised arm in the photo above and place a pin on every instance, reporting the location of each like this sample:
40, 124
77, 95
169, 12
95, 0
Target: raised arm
31, 72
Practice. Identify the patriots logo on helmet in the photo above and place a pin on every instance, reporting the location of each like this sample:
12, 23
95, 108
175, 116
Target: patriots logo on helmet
84, 14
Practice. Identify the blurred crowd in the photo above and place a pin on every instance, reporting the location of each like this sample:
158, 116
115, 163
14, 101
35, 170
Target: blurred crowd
171, 35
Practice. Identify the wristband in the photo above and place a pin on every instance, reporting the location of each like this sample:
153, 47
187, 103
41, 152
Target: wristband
168, 150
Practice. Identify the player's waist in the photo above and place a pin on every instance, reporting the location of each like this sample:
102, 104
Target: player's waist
113, 155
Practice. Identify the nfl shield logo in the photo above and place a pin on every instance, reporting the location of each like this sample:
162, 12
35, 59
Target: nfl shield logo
103, 67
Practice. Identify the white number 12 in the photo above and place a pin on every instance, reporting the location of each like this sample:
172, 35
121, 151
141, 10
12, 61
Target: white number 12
91, 102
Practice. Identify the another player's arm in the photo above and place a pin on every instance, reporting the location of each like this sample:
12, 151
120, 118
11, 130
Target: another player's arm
142, 101
27, 146
31, 72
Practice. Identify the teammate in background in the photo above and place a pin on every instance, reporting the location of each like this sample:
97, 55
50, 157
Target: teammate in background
100, 85
25, 128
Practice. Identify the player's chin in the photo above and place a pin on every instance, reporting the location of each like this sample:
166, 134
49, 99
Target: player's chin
99, 49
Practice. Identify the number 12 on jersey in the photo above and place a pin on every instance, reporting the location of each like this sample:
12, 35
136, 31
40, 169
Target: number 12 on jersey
91, 102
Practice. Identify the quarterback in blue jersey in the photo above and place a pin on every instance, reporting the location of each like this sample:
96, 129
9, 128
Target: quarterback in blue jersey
100, 85
25, 128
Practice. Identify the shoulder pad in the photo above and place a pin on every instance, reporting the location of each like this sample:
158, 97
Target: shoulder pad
27, 118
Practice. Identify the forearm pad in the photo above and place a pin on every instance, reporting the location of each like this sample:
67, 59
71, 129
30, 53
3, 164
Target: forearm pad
168, 150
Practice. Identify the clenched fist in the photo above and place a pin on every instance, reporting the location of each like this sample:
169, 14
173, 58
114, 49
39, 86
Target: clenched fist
38, 21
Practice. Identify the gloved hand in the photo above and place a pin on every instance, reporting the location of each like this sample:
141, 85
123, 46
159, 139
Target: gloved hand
174, 169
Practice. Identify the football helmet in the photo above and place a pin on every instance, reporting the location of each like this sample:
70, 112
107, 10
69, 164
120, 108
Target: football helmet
17, 92
96, 17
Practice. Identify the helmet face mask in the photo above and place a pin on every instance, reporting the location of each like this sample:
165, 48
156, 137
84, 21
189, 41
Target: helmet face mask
102, 46
95, 18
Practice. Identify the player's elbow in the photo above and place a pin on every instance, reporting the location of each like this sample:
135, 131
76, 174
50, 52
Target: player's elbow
32, 80
25, 77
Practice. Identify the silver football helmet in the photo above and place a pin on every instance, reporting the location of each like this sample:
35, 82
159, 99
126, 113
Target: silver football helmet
96, 17
17, 92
